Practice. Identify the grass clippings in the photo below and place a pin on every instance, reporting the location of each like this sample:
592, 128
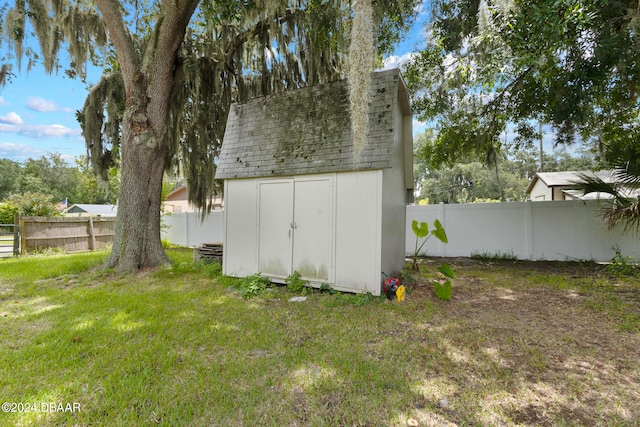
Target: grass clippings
527, 344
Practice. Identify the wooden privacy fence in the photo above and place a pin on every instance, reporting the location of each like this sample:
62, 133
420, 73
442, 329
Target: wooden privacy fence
68, 234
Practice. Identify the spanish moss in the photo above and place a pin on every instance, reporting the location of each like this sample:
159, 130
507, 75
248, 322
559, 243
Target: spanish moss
361, 57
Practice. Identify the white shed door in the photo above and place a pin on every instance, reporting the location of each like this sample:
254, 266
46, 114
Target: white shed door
295, 230
313, 228
275, 235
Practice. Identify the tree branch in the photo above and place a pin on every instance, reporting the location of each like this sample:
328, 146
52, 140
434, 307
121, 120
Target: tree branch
119, 34
506, 90
160, 57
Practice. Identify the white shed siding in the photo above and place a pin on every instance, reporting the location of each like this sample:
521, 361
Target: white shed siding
540, 192
393, 202
275, 219
313, 229
339, 243
240, 216
358, 231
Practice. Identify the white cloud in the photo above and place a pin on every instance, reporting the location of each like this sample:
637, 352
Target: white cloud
3, 102
43, 105
19, 152
40, 131
12, 119
395, 61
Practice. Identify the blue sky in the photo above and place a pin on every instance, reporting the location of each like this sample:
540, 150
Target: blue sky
37, 115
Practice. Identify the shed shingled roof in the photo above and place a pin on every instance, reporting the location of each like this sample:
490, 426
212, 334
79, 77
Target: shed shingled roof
309, 131
567, 178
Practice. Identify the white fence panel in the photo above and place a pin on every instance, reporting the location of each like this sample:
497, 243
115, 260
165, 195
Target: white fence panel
528, 230
559, 231
574, 230
188, 229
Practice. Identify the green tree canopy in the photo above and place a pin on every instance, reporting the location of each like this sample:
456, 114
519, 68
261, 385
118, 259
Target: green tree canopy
470, 181
51, 174
573, 64
9, 177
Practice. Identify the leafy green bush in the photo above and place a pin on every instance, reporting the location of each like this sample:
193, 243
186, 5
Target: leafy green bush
7, 213
166, 243
623, 266
295, 283
443, 289
421, 231
254, 285
28, 204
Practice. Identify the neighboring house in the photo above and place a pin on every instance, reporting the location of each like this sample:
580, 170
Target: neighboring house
296, 199
178, 201
548, 186
91, 210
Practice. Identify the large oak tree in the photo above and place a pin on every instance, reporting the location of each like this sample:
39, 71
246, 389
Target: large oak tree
172, 68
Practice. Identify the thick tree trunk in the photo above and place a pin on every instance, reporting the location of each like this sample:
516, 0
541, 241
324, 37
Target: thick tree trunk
148, 80
137, 243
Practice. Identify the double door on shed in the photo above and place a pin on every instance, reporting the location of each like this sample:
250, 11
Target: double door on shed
296, 227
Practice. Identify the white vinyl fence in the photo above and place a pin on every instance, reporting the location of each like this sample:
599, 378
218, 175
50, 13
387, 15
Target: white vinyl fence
567, 230
188, 229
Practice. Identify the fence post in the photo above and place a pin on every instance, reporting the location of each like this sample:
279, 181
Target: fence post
443, 221
528, 228
92, 236
16, 234
20, 221
186, 228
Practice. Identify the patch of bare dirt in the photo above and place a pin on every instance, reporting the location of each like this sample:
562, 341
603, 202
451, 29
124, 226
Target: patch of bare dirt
559, 359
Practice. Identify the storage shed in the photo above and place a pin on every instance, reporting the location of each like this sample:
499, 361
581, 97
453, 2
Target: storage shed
547, 186
297, 200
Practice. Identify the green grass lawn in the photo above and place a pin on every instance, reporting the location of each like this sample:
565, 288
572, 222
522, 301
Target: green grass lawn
179, 346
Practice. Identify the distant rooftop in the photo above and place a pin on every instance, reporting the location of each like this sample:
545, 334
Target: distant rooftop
106, 210
568, 178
